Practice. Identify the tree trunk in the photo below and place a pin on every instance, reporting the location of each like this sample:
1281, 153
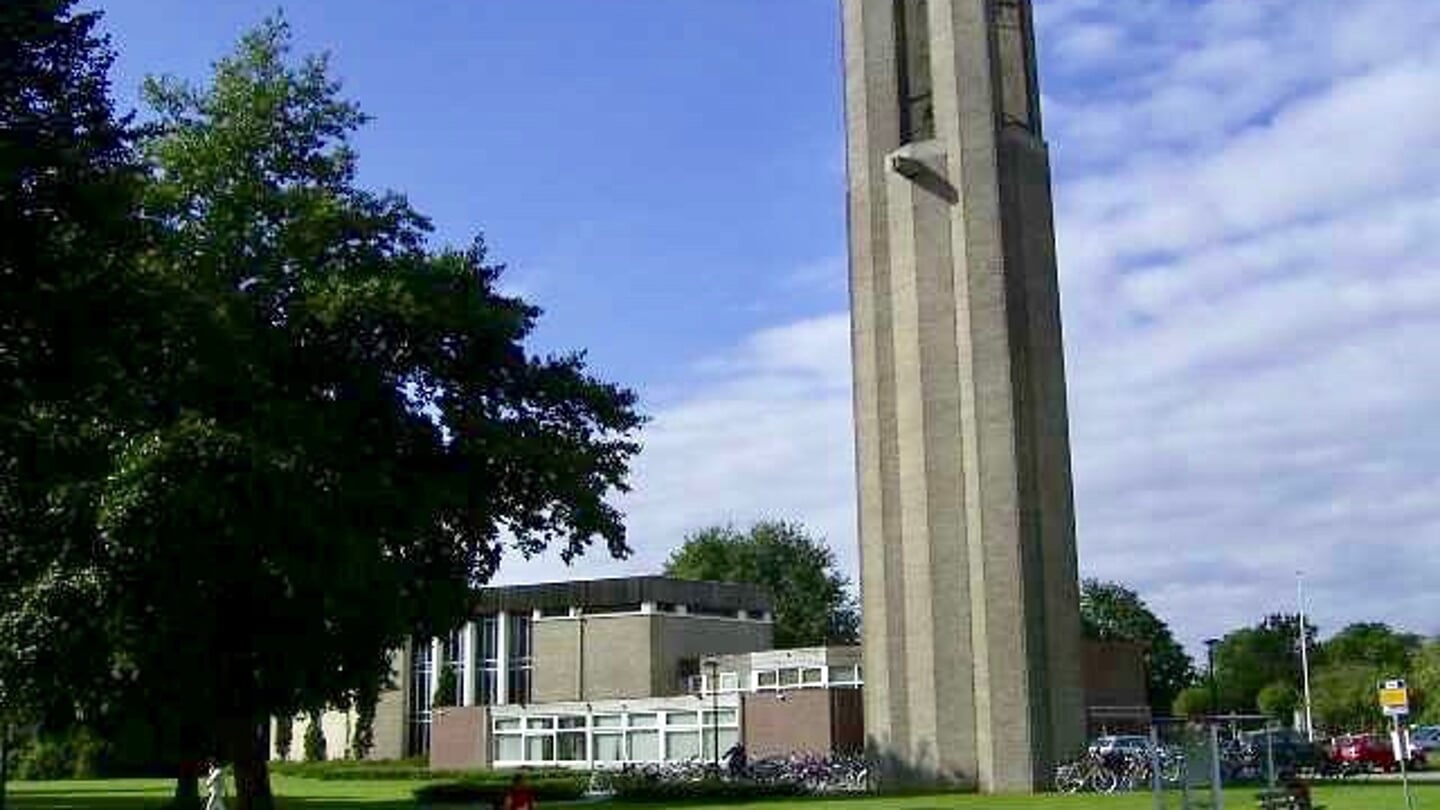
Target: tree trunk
187, 786
251, 770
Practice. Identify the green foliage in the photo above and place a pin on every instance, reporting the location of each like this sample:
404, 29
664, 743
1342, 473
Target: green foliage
491, 788
284, 736
1111, 612
1424, 682
1249, 659
447, 688
640, 788
1371, 644
1343, 697
1192, 701
1279, 700
415, 769
73, 754
813, 604
314, 739
362, 739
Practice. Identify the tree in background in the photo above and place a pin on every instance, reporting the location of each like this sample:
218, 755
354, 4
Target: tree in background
283, 399
284, 736
1111, 612
314, 739
1372, 643
1192, 701
1279, 700
1425, 682
1252, 658
447, 688
362, 739
813, 604
1343, 697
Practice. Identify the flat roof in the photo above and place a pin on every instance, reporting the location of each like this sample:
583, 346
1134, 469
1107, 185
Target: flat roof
621, 591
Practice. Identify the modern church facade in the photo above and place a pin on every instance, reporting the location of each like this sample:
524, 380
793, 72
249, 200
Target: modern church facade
601, 673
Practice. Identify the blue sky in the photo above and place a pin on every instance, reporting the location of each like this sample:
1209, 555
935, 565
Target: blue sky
1248, 203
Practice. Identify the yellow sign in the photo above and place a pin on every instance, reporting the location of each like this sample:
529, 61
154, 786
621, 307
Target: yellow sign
1394, 698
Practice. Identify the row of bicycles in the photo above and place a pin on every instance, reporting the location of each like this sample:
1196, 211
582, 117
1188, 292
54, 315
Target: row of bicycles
1115, 771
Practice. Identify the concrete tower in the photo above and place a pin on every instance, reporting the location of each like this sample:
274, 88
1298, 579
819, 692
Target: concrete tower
967, 533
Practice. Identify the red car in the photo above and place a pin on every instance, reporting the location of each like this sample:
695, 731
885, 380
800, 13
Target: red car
1369, 752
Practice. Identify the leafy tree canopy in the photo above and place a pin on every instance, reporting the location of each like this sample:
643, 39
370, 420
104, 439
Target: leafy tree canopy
1373, 644
813, 604
1249, 659
1112, 612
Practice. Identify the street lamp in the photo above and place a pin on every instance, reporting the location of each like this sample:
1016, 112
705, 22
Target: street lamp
1210, 644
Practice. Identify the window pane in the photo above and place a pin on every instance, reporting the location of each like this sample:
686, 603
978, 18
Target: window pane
681, 718
767, 678
645, 746
609, 747
842, 674
789, 677
607, 721
540, 722
509, 748
813, 676
725, 716
729, 680
539, 748
682, 745
642, 720
572, 722
570, 747
728, 737
507, 723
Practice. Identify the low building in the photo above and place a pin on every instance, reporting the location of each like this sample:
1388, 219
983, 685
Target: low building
601, 673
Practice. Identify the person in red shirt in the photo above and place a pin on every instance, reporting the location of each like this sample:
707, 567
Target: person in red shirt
519, 796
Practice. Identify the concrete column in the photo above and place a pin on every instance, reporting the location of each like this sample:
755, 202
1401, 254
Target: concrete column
468, 677
502, 658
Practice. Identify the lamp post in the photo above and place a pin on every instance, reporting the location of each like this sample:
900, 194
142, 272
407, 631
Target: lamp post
1304, 654
1210, 644
713, 664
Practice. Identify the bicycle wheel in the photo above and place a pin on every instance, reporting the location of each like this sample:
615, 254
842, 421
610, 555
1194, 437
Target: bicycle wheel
1103, 780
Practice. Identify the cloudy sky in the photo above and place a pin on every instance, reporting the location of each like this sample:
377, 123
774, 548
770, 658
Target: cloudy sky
1248, 199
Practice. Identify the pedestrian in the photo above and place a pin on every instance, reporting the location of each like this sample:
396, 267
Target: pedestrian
519, 796
215, 787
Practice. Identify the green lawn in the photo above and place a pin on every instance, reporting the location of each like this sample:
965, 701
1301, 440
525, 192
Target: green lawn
309, 794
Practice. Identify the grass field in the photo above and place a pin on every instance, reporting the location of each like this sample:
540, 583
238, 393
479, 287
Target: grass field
309, 794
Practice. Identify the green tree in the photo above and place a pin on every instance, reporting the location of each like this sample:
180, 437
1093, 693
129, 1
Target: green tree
362, 739
1424, 683
813, 604
1343, 697
447, 688
1111, 612
284, 736
322, 427
1192, 701
1373, 644
1279, 700
1249, 659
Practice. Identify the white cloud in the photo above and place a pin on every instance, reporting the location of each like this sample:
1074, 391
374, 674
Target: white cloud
1248, 199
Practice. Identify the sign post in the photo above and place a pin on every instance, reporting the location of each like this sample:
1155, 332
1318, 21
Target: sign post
1395, 703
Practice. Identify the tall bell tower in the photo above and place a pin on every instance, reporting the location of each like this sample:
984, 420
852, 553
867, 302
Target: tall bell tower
968, 571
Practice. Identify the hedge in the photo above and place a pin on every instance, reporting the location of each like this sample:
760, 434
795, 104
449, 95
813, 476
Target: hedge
492, 788
641, 788
341, 770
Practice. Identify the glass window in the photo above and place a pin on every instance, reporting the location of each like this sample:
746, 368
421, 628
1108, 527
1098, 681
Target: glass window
729, 681
726, 717
812, 677
607, 720
487, 632
681, 718
540, 748
644, 746
507, 723
509, 747
789, 677
570, 746
522, 648
728, 737
574, 721
844, 674
642, 720
766, 679
682, 745
609, 747
540, 722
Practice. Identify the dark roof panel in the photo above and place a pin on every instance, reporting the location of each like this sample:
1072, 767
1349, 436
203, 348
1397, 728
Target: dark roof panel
625, 591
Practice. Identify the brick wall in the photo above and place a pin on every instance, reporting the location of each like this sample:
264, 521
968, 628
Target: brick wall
460, 738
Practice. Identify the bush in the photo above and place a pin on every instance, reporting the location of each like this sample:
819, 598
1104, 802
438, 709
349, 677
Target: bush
640, 788
447, 691
77, 754
416, 769
492, 785
284, 736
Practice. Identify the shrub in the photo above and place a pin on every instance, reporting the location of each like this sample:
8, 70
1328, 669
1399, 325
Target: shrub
448, 689
45, 758
314, 739
362, 740
416, 769
492, 785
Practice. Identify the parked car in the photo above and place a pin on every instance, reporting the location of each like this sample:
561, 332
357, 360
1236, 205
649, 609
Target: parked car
1292, 751
1425, 740
1369, 752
